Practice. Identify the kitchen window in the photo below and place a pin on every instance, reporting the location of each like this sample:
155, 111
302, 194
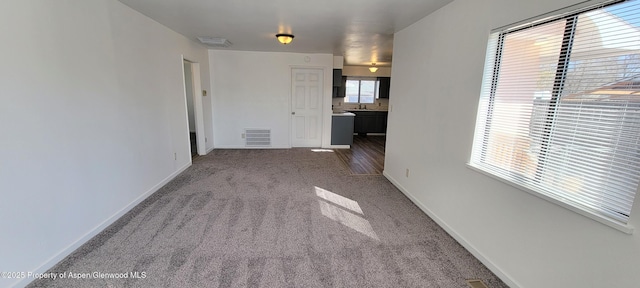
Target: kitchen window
361, 90
559, 111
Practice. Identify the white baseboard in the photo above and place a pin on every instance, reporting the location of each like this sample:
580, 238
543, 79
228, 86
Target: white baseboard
86, 237
472, 249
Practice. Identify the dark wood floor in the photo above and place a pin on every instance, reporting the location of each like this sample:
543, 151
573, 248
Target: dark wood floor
194, 148
366, 155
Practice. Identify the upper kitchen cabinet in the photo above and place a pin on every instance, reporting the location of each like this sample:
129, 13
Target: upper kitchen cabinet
339, 82
337, 77
385, 85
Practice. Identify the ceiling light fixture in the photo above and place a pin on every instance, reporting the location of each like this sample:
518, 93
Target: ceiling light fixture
373, 68
284, 38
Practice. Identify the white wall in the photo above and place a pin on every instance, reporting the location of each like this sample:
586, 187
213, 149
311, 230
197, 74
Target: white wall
437, 72
338, 62
253, 90
92, 110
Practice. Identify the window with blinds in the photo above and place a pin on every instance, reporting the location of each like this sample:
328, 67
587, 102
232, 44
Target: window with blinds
559, 112
361, 90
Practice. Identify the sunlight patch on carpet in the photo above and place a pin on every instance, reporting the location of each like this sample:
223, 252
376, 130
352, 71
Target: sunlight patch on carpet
342, 201
334, 207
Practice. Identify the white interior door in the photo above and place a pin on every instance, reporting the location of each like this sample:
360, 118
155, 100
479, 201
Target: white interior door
306, 107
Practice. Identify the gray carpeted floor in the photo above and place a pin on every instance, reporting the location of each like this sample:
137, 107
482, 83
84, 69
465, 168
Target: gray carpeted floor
273, 218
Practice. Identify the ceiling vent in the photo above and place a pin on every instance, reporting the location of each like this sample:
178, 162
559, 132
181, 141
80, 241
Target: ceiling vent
215, 42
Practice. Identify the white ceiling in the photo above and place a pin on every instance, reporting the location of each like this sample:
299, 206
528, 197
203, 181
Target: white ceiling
360, 30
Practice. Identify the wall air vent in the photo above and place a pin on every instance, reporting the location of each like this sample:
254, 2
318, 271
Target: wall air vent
215, 42
257, 137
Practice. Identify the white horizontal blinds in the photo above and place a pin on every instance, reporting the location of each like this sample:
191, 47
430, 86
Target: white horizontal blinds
520, 80
561, 114
526, 68
485, 103
596, 131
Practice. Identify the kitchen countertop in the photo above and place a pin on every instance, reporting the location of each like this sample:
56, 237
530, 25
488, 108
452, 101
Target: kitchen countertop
343, 113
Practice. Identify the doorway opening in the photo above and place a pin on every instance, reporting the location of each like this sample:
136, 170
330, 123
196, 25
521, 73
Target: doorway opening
195, 119
188, 87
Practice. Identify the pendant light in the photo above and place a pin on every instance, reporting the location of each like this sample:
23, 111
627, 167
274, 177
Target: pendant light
373, 68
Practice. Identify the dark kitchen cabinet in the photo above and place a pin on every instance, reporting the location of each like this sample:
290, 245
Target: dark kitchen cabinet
337, 83
337, 77
381, 122
370, 122
385, 85
342, 130
357, 124
340, 91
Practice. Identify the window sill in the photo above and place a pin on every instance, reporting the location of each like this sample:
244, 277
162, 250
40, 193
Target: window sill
628, 229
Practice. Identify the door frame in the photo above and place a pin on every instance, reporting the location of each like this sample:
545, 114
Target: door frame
323, 70
198, 110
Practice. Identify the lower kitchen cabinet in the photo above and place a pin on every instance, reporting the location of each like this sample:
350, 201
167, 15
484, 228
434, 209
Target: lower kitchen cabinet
381, 121
370, 122
342, 130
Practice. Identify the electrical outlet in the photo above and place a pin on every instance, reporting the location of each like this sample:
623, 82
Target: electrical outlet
243, 136
205, 140
407, 173
175, 156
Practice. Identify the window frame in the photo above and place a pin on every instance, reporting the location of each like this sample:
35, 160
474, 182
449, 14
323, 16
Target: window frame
493, 61
376, 92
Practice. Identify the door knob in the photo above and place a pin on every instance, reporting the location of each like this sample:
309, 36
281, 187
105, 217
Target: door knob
293, 113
